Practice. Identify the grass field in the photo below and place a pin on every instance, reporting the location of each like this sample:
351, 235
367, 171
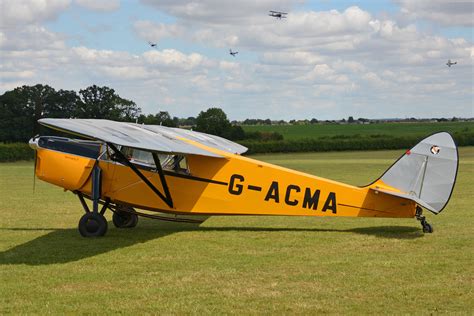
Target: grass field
393, 129
237, 265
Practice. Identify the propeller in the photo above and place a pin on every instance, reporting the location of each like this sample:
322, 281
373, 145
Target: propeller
34, 173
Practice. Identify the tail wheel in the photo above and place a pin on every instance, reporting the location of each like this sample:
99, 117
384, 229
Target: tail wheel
92, 224
122, 219
427, 228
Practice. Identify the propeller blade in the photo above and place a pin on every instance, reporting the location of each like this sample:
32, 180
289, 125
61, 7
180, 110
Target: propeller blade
34, 174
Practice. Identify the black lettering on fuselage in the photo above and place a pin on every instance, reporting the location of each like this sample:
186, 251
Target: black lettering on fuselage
311, 200
234, 188
330, 203
288, 193
273, 192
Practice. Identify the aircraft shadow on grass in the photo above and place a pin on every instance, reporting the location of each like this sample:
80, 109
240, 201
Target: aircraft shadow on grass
66, 245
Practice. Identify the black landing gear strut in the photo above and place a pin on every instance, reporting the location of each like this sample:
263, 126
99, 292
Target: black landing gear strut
427, 228
93, 224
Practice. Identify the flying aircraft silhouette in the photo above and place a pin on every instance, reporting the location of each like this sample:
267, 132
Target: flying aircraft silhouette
277, 14
450, 63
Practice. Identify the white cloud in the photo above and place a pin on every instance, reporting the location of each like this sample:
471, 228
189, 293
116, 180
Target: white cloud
154, 32
173, 58
16, 13
291, 58
218, 11
451, 13
100, 5
30, 37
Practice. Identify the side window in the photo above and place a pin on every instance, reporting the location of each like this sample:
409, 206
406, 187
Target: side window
142, 158
177, 163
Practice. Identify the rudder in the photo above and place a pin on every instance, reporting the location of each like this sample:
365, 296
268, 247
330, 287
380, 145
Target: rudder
425, 174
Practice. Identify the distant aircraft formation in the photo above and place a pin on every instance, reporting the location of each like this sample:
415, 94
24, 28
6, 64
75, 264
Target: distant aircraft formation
283, 15
275, 14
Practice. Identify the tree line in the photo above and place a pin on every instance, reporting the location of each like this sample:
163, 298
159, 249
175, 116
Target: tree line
22, 107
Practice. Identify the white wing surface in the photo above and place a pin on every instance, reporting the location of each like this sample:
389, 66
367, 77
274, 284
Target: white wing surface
146, 137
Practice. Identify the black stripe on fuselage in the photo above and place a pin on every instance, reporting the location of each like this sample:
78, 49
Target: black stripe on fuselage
189, 177
363, 208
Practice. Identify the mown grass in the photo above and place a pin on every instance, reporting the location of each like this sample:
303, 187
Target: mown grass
421, 129
237, 265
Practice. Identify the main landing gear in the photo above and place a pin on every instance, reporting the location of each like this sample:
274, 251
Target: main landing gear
94, 224
427, 228
124, 218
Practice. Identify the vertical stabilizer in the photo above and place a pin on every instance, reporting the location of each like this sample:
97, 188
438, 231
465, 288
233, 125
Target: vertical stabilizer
426, 173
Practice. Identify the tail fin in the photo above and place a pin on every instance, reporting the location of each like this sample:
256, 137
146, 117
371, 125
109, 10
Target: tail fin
425, 174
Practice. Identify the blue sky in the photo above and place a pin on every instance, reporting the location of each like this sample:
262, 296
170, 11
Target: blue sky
329, 59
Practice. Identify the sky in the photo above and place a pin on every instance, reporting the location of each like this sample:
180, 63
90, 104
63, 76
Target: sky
327, 60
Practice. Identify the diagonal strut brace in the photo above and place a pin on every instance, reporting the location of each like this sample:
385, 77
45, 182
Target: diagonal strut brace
165, 197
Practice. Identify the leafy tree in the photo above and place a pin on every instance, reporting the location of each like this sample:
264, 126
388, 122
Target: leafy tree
103, 103
16, 118
213, 121
22, 107
160, 118
63, 104
350, 120
235, 132
190, 121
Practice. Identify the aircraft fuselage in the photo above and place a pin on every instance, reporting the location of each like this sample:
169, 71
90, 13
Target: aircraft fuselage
234, 185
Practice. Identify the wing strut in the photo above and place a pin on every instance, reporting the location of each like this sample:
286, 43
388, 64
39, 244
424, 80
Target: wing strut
165, 197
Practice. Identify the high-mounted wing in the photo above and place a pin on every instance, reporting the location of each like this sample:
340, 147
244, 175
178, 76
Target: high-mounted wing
146, 137
202, 138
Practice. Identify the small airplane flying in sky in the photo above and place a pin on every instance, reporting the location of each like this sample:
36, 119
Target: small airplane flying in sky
232, 53
450, 63
277, 14
152, 44
175, 174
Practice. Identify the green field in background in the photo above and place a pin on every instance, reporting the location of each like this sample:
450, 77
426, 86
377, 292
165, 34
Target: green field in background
237, 265
391, 129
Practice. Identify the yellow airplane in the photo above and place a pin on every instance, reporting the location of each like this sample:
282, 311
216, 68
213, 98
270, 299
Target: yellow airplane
176, 174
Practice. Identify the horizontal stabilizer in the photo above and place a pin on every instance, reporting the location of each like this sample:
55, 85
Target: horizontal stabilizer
406, 196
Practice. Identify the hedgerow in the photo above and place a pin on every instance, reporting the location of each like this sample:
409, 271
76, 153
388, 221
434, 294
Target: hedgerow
15, 152
339, 143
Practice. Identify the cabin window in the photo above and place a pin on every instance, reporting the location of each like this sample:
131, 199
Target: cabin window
89, 149
144, 159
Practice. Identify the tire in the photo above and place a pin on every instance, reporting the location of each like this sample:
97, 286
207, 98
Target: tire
124, 219
427, 228
92, 225
134, 221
